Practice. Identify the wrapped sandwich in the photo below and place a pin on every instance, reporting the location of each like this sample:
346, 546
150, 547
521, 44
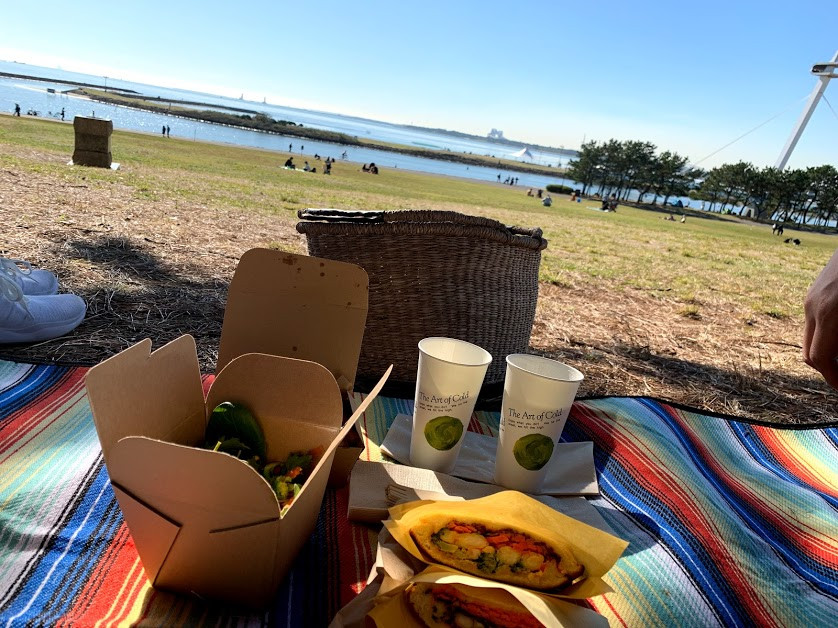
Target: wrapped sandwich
456, 605
493, 550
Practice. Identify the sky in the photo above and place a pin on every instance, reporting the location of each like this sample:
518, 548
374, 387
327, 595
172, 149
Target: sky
688, 77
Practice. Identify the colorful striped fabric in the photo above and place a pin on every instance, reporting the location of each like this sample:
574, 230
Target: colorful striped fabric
729, 523
66, 557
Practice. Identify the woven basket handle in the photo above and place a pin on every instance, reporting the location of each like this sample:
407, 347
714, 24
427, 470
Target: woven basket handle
416, 216
340, 215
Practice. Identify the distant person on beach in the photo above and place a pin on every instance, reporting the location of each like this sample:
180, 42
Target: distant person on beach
164, 129
62, 114
289, 163
168, 131
498, 177
290, 148
301, 149
17, 110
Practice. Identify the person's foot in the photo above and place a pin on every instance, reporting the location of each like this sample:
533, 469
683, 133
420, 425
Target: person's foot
31, 281
36, 318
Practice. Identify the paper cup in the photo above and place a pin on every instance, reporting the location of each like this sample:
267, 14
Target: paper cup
448, 381
537, 396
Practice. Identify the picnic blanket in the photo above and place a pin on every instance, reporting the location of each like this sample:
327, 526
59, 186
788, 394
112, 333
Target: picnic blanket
728, 522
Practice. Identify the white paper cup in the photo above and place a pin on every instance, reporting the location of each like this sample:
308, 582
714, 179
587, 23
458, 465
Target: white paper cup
537, 396
448, 381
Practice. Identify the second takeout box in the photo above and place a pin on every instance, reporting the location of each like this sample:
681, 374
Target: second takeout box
205, 522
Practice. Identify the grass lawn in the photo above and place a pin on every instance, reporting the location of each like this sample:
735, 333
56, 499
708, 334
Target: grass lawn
709, 282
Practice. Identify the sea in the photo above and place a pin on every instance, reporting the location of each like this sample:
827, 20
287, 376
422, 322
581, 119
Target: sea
48, 98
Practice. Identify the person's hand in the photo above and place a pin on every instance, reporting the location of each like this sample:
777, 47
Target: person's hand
820, 335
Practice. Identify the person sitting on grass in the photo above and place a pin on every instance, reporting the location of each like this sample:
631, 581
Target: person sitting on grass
289, 163
547, 201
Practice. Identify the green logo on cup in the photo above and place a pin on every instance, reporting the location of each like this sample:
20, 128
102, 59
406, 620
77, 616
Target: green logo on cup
533, 451
443, 432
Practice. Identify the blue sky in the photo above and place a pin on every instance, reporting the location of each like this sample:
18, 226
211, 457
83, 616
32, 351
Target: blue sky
689, 77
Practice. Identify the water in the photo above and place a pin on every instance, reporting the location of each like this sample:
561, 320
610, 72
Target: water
34, 95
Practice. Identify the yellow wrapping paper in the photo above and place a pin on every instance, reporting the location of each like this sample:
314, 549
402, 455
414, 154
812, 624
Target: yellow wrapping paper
596, 550
393, 609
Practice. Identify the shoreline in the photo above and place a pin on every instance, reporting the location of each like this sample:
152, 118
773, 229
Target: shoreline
142, 102
125, 98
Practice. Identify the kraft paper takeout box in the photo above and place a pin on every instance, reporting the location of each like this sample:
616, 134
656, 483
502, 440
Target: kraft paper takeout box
205, 522
300, 307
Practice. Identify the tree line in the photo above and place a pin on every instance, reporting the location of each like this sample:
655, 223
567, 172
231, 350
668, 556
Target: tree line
621, 168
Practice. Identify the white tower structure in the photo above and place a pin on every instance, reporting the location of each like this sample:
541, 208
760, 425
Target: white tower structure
824, 71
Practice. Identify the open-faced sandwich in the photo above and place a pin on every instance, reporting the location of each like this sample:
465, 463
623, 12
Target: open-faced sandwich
496, 551
458, 605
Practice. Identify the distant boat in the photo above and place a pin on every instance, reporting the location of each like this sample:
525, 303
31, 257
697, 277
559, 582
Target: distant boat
50, 90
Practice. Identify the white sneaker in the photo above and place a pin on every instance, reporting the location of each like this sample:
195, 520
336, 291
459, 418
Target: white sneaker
29, 280
36, 318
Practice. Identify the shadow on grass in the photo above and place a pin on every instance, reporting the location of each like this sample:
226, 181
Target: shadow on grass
142, 296
133, 294
769, 396
121, 255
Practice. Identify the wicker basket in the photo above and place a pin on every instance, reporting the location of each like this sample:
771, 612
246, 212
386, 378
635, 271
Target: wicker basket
434, 273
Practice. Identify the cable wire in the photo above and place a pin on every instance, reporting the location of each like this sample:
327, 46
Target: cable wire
828, 104
761, 124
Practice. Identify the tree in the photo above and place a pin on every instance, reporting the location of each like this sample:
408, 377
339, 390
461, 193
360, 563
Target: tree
585, 167
638, 161
671, 176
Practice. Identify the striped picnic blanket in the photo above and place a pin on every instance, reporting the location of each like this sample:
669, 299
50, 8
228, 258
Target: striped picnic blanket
729, 523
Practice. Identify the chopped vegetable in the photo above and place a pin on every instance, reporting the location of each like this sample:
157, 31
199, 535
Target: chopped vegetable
232, 429
287, 478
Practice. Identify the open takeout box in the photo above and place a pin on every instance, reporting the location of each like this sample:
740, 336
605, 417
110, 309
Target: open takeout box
205, 522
